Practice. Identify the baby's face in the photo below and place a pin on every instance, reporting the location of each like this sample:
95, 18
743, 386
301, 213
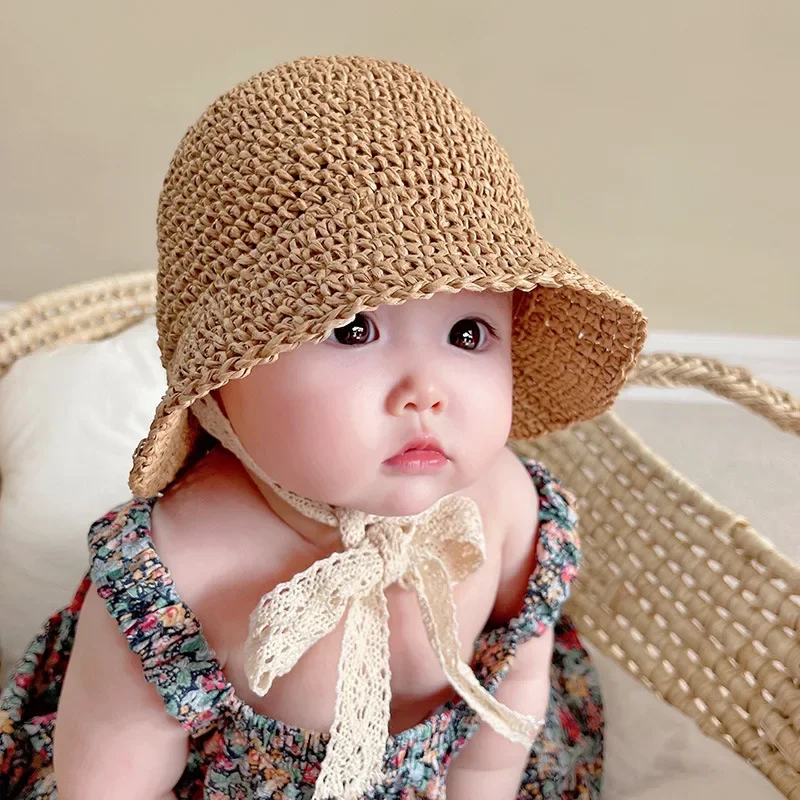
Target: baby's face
326, 420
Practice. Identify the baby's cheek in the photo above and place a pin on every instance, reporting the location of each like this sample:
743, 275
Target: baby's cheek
488, 396
490, 420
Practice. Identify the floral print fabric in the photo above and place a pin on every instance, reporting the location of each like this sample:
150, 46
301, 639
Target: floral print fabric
236, 752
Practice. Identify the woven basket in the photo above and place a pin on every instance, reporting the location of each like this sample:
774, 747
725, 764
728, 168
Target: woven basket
682, 593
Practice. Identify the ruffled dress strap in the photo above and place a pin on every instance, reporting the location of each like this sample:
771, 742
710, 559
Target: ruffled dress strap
558, 557
140, 594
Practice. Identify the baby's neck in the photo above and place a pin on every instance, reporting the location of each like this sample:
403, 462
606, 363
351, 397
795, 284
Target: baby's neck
325, 537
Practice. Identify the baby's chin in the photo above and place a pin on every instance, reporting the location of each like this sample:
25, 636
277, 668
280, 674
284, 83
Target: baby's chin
404, 497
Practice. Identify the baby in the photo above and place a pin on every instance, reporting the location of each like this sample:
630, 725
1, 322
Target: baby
355, 313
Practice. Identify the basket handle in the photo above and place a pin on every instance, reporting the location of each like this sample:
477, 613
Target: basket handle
736, 384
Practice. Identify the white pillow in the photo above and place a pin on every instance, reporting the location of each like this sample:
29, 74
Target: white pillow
69, 422
70, 419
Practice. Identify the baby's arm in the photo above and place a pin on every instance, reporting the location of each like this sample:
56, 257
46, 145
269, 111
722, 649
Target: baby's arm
490, 765
113, 737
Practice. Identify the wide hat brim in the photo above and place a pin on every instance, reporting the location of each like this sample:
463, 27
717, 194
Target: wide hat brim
573, 347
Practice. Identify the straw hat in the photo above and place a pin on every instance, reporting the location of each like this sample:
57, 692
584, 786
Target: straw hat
329, 186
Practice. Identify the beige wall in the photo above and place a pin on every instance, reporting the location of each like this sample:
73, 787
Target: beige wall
658, 142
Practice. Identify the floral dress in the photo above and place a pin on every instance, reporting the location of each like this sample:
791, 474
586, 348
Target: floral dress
235, 752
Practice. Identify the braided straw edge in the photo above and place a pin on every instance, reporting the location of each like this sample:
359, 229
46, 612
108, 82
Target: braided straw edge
736, 384
84, 312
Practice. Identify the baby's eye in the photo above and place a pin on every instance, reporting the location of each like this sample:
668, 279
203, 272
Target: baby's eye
470, 334
361, 330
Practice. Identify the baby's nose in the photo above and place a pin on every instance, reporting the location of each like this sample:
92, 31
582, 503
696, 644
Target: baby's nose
417, 393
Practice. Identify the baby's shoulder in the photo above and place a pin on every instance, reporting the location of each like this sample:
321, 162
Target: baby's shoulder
508, 497
220, 549
515, 503
519, 492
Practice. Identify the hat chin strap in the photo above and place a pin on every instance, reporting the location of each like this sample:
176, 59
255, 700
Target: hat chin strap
428, 553
211, 417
